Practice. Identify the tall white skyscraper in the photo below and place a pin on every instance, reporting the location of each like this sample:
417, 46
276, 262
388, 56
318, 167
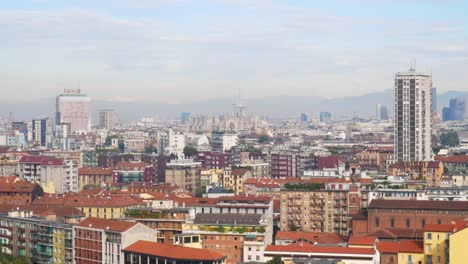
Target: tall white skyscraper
413, 116
73, 108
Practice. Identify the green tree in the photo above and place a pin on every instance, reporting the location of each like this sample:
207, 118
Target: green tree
121, 145
190, 151
264, 139
293, 227
450, 139
108, 141
275, 260
149, 149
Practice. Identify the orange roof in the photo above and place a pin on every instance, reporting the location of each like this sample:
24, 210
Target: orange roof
308, 248
173, 252
103, 199
452, 159
387, 247
106, 224
18, 186
8, 179
411, 246
239, 172
312, 237
439, 228
362, 241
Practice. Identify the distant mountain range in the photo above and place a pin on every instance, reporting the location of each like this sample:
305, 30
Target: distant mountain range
273, 106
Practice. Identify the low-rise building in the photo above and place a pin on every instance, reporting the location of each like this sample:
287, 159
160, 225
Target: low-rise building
234, 179
412, 214
303, 252
429, 171
314, 209
131, 172
185, 174
102, 240
18, 192
44, 241
142, 252
94, 177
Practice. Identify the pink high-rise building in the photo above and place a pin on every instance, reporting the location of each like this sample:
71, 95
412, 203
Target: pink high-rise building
73, 108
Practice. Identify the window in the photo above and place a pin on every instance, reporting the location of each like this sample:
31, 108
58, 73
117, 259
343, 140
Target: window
429, 236
423, 222
377, 222
392, 222
429, 247
439, 221
407, 222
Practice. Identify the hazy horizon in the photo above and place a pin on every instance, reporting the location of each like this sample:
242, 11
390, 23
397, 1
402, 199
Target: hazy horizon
187, 51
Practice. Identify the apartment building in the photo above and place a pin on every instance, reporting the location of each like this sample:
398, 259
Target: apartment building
316, 210
102, 240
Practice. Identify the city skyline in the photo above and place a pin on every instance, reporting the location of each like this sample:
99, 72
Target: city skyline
181, 51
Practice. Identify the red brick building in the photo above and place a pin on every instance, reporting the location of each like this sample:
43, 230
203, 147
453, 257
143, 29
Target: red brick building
18, 192
100, 240
413, 213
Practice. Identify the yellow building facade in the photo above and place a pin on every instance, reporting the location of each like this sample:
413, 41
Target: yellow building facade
436, 247
459, 247
411, 258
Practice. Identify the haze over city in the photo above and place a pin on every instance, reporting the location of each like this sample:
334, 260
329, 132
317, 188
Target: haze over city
233, 132
185, 51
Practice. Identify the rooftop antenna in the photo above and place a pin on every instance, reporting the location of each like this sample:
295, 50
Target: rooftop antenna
411, 65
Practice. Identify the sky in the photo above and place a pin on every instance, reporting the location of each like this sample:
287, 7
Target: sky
189, 50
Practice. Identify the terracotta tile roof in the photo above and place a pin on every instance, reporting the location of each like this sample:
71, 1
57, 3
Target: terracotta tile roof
419, 205
19, 186
106, 224
439, 228
308, 248
311, 237
95, 171
388, 247
50, 199
330, 162
8, 179
42, 210
410, 246
35, 159
452, 159
173, 252
239, 172
52, 162
398, 233
362, 241
103, 199
381, 148
404, 246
